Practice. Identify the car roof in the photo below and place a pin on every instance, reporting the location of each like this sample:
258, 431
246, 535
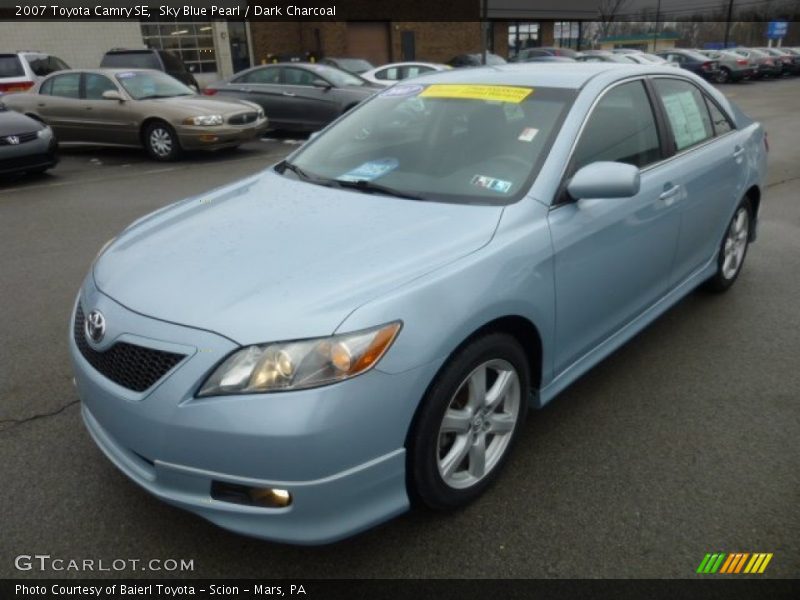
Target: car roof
555, 75
108, 71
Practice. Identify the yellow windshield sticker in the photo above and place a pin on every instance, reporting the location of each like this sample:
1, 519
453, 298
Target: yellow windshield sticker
497, 93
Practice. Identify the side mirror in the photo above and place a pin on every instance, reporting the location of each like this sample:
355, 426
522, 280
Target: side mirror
321, 83
605, 180
113, 95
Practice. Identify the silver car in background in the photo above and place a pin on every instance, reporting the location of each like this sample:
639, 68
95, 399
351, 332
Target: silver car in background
732, 66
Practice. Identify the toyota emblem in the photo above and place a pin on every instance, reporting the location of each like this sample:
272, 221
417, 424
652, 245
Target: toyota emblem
95, 326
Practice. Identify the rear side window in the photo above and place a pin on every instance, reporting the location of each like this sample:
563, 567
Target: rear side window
621, 128
44, 65
720, 122
265, 75
66, 86
131, 60
10, 66
686, 112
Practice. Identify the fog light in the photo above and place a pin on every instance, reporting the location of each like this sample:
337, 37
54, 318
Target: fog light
250, 496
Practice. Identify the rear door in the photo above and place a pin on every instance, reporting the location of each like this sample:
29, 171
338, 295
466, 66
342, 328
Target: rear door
59, 104
709, 155
613, 257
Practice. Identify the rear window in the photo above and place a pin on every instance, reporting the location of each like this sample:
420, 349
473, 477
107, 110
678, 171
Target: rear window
131, 60
42, 65
10, 66
172, 62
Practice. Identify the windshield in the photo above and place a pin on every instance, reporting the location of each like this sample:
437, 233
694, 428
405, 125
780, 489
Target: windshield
142, 85
456, 143
336, 76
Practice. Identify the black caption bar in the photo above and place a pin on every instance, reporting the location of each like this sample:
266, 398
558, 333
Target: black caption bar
379, 589
251, 10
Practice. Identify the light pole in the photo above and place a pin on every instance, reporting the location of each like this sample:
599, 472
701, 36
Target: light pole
728, 23
655, 29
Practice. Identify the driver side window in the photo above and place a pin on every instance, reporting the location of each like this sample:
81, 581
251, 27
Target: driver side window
621, 128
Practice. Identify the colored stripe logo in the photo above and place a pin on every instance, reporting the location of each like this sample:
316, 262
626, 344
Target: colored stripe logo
735, 562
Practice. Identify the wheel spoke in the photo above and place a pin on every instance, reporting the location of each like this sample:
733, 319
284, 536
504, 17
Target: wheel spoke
455, 456
505, 380
477, 457
456, 421
477, 388
500, 423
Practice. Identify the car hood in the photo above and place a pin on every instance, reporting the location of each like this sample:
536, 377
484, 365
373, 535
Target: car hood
13, 122
270, 258
203, 104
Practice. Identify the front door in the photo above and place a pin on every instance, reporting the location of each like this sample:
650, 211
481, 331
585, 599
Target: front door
613, 256
107, 121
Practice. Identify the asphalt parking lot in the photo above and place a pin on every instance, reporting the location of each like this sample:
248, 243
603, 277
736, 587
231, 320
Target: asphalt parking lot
685, 441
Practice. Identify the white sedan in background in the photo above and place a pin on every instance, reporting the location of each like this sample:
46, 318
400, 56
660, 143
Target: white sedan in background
392, 73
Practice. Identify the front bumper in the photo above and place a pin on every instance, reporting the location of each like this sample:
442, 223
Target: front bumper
339, 449
194, 137
29, 156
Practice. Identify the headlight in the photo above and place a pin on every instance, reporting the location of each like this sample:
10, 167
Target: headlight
260, 113
301, 364
45, 132
204, 120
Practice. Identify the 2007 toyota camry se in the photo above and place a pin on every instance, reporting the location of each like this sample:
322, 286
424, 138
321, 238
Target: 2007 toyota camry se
362, 327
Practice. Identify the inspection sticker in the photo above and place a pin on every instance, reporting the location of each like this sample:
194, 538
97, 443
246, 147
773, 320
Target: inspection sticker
528, 134
498, 93
490, 183
370, 170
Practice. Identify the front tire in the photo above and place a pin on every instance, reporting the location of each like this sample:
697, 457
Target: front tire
161, 141
733, 248
468, 422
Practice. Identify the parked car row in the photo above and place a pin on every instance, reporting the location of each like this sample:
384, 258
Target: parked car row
718, 66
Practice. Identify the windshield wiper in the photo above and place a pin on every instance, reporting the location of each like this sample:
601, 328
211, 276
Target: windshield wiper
151, 96
285, 164
371, 187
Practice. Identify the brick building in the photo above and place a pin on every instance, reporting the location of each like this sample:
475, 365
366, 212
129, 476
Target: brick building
387, 41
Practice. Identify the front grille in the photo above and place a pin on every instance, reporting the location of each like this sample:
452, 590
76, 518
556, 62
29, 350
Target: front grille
243, 118
22, 138
134, 367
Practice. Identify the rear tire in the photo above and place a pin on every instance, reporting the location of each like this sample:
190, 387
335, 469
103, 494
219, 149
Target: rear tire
467, 423
724, 75
161, 141
732, 249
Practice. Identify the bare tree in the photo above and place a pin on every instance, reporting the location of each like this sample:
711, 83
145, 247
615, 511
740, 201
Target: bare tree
608, 11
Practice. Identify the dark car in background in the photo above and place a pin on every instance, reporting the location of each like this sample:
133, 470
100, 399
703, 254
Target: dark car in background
296, 96
19, 71
693, 61
789, 62
26, 145
351, 65
476, 60
159, 60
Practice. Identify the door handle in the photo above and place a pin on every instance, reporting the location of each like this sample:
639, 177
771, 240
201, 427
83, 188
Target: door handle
738, 152
288, 94
669, 193
41, 104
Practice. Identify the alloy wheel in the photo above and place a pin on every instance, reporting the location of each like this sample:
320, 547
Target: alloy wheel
736, 243
478, 424
161, 141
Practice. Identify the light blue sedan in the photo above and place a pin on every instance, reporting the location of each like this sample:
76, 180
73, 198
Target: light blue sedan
306, 353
